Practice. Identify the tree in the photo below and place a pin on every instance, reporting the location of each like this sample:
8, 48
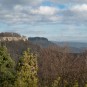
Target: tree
6, 68
27, 70
56, 82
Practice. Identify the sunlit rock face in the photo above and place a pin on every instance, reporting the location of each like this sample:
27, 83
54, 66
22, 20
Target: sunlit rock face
11, 37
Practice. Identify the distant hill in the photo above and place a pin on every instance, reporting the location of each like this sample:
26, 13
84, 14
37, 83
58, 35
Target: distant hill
41, 41
76, 47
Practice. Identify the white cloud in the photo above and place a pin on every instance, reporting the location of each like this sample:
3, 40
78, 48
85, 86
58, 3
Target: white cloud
30, 11
18, 7
45, 10
27, 14
11, 3
82, 7
69, 1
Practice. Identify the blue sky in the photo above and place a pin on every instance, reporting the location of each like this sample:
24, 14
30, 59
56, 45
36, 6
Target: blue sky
57, 20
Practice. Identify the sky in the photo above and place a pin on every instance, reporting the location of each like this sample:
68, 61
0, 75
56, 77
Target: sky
57, 20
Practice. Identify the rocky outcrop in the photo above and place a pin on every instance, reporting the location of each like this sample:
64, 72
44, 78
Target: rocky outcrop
11, 37
9, 34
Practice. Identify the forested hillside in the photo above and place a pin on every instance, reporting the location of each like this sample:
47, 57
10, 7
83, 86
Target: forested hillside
41, 41
24, 64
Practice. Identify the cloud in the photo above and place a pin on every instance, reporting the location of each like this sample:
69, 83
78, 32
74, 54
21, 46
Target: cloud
82, 7
45, 10
11, 3
46, 13
70, 1
28, 14
32, 11
76, 14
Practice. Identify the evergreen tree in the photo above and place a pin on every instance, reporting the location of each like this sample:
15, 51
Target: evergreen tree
6, 68
27, 70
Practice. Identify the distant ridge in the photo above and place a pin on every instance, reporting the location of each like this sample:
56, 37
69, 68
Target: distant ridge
42, 41
38, 38
75, 47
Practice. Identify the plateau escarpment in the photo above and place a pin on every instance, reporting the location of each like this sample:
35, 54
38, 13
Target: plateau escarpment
11, 37
41, 41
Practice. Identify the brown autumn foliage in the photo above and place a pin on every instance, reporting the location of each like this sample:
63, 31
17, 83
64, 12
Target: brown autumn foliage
59, 62
54, 62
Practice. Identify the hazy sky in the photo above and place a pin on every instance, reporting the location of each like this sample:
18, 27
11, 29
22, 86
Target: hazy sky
58, 20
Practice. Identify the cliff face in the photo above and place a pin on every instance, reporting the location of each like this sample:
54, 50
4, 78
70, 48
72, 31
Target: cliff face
11, 37
9, 34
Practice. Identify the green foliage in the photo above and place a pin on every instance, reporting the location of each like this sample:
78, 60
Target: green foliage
76, 84
86, 85
6, 68
27, 70
56, 82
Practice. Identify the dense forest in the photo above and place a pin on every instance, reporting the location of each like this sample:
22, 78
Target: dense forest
25, 64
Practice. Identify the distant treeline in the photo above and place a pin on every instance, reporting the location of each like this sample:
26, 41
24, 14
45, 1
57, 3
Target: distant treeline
37, 39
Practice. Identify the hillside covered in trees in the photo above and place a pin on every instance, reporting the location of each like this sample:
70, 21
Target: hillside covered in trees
41, 41
25, 64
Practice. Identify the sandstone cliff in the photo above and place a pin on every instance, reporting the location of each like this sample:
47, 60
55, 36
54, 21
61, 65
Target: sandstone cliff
11, 37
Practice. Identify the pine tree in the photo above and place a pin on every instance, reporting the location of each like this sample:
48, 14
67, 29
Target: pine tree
6, 68
27, 70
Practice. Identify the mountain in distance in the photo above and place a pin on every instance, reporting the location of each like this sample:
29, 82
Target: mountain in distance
76, 47
5, 37
41, 41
